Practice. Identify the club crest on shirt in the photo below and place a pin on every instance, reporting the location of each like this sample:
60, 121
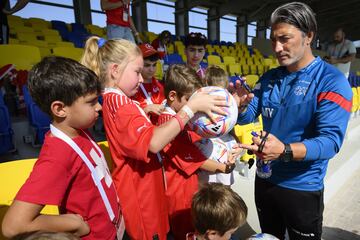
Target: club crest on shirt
155, 89
300, 90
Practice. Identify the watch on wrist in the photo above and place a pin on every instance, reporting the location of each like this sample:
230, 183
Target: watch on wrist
287, 154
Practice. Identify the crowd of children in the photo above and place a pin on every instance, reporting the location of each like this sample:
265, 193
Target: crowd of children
156, 157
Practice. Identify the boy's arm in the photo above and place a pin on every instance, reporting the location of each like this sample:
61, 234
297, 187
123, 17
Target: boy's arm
25, 217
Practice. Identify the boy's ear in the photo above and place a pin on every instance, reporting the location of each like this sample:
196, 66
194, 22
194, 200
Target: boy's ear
172, 95
211, 234
58, 109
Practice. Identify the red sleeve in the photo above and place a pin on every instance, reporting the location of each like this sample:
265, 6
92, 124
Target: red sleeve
134, 130
51, 175
184, 154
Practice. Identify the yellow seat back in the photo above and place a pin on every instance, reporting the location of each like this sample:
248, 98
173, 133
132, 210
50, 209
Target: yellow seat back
104, 145
13, 175
24, 57
69, 52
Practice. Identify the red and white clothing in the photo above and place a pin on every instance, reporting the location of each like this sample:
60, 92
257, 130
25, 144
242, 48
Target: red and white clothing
137, 173
182, 159
150, 93
118, 16
159, 47
60, 177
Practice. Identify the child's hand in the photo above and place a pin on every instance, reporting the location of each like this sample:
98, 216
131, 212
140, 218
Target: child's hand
241, 95
230, 164
154, 108
203, 102
237, 151
82, 228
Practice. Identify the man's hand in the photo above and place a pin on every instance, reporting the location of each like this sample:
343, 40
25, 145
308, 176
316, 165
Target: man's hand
271, 146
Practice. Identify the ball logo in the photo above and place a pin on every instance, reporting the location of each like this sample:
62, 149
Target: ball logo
206, 128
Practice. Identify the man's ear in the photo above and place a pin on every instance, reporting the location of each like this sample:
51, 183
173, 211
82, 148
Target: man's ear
309, 38
58, 109
172, 95
211, 234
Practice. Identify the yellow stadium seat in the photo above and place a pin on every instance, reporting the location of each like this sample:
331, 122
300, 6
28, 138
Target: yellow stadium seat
104, 145
260, 69
159, 71
253, 69
170, 48
251, 80
14, 41
53, 38
24, 57
15, 21
26, 37
214, 59
69, 52
50, 32
64, 44
37, 43
357, 73
234, 69
21, 29
13, 175
229, 60
93, 29
355, 102
245, 69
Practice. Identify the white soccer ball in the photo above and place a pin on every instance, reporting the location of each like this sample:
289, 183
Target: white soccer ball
264, 236
203, 126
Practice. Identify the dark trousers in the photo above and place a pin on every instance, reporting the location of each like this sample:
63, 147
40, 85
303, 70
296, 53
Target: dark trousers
300, 212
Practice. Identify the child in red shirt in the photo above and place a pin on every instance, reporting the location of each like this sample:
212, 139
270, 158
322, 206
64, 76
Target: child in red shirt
133, 140
151, 93
71, 171
183, 159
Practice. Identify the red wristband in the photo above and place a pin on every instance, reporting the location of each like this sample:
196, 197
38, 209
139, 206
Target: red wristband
181, 123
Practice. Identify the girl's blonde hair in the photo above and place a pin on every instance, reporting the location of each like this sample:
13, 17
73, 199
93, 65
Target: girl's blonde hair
216, 76
99, 53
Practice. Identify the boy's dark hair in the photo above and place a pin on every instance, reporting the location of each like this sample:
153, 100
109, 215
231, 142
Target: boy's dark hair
217, 207
182, 79
60, 79
196, 39
152, 58
216, 76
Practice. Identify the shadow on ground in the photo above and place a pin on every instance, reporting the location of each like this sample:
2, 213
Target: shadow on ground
330, 233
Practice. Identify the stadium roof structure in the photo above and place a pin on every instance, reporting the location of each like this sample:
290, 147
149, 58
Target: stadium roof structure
330, 14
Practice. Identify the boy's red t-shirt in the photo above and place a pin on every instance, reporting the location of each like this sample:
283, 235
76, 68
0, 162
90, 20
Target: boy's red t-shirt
60, 177
181, 161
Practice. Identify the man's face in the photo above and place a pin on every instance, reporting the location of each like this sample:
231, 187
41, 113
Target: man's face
338, 36
289, 44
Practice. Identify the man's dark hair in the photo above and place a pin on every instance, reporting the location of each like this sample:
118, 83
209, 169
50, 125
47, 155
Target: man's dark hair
297, 14
60, 79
